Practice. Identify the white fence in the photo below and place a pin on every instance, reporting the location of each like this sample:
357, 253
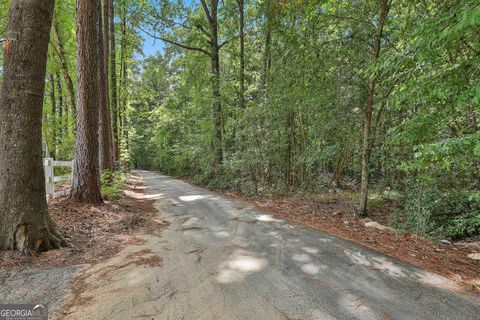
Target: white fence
50, 179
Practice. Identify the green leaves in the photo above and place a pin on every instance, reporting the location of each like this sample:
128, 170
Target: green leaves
306, 126
447, 154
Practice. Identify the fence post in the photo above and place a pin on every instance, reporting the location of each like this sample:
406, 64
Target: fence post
49, 176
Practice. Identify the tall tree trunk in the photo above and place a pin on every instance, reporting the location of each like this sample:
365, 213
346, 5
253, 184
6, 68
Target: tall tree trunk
217, 143
113, 81
64, 65
105, 132
289, 151
242, 53
53, 102
24, 221
303, 142
86, 176
384, 8
123, 132
217, 107
61, 109
270, 12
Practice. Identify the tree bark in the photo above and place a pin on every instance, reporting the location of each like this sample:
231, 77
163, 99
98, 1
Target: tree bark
86, 176
211, 15
24, 221
270, 12
64, 65
105, 131
289, 151
63, 125
384, 8
242, 52
217, 142
53, 102
123, 132
113, 81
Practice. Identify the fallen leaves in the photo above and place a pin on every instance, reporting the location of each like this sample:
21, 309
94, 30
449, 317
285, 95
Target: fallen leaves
94, 232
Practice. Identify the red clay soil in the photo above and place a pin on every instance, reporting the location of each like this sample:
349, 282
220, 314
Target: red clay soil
95, 232
337, 216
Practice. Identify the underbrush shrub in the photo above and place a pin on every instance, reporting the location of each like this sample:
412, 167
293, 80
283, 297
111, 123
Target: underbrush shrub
465, 225
438, 209
113, 184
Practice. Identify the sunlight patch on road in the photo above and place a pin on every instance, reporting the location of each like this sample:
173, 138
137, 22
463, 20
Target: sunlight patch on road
155, 196
379, 263
141, 195
310, 250
394, 269
266, 218
222, 234
310, 269
191, 198
239, 265
301, 257
437, 281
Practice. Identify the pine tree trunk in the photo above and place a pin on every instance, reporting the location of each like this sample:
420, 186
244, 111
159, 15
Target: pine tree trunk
53, 102
217, 108
289, 152
242, 53
123, 72
385, 7
65, 71
105, 132
113, 81
124, 83
217, 142
61, 109
270, 12
24, 221
86, 176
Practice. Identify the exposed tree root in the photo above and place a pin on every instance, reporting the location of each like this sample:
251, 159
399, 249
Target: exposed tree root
32, 241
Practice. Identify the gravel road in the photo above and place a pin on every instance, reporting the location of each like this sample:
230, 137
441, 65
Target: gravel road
223, 259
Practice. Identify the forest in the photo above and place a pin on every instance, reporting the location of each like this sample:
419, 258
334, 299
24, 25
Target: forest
240, 159
279, 97
377, 100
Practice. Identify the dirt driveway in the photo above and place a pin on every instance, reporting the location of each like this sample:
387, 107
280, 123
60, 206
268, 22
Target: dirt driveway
222, 259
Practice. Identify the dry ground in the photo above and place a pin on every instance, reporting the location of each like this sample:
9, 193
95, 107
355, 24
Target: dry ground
94, 232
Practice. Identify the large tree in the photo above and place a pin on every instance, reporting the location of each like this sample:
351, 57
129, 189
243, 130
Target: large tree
113, 82
105, 129
241, 22
210, 34
63, 62
86, 175
367, 122
24, 221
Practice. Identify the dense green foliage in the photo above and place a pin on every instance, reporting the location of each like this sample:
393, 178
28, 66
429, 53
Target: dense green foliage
59, 114
308, 67
113, 184
301, 127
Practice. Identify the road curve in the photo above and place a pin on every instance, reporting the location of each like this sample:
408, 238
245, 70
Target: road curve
223, 259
